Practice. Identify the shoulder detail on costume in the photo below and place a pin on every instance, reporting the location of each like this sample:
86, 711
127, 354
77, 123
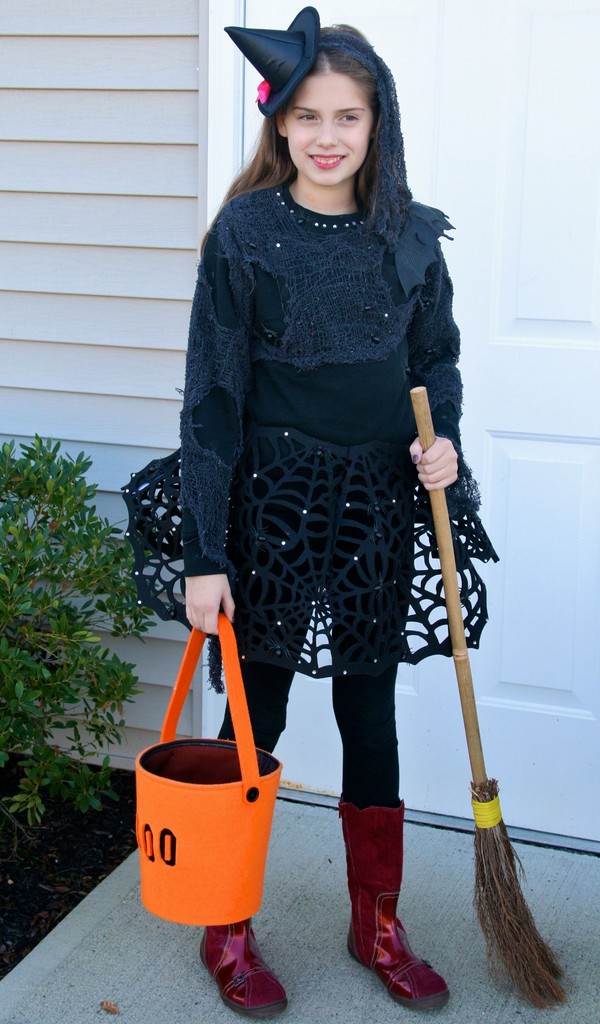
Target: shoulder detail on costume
237, 221
417, 246
246, 205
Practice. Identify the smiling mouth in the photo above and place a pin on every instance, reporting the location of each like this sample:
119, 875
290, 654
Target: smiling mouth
326, 161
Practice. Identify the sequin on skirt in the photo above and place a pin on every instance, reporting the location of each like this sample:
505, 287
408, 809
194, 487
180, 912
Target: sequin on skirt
337, 568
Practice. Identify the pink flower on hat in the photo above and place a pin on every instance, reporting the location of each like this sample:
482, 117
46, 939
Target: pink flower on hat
264, 91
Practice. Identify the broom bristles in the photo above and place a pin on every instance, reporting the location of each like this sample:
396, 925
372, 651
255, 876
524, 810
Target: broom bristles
514, 945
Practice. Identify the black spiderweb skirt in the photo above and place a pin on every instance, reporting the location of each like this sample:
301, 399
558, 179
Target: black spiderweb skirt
337, 568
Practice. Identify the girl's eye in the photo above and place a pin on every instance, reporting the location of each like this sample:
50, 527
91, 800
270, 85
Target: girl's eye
306, 117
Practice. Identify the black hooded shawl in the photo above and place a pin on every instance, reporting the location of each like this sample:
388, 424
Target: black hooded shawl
338, 302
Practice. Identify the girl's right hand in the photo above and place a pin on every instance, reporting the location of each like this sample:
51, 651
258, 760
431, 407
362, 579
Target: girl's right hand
205, 596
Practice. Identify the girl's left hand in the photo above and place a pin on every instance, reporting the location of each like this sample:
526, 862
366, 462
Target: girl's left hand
438, 466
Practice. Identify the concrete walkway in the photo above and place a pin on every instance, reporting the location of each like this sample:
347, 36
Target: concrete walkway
110, 948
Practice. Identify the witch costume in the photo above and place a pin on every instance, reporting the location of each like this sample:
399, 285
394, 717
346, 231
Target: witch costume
307, 333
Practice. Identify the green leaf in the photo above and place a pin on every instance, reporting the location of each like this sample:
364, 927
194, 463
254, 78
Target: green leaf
65, 586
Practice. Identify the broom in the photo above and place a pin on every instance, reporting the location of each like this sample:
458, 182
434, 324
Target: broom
514, 944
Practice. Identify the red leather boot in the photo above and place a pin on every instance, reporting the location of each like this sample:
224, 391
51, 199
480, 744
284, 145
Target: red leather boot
246, 984
373, 839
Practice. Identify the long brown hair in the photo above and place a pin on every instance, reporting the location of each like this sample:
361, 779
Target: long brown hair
271, 164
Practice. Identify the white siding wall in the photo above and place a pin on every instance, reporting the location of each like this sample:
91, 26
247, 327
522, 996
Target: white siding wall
102, 193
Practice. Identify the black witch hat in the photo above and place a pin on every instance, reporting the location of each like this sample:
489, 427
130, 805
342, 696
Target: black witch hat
283, 58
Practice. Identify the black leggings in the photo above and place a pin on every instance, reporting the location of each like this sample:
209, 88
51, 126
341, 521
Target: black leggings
364, 708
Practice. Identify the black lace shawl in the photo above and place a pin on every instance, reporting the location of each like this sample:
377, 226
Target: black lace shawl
337, 302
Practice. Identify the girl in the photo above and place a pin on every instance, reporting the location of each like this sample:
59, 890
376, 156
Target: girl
322, 298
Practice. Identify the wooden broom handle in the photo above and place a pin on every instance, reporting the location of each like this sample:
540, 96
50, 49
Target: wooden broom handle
460, 654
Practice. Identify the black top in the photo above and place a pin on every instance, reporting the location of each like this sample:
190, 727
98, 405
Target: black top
342, 403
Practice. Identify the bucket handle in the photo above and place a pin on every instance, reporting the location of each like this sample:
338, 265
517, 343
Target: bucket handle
236, 695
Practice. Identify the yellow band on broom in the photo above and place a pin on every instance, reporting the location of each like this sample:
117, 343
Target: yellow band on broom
487, 813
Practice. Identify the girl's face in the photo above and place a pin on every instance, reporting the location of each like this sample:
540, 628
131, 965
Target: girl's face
328, 126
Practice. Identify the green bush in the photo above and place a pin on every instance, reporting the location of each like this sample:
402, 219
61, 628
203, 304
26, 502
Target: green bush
64, 575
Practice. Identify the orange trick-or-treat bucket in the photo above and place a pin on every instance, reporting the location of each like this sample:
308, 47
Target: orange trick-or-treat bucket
204, 808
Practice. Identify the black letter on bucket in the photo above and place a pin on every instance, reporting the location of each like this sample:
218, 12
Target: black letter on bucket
148, 842
166, 832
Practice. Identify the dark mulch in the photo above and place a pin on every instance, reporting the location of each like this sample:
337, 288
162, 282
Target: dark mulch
47, 871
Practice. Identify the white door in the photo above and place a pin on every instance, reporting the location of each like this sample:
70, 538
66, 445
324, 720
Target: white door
499, 108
